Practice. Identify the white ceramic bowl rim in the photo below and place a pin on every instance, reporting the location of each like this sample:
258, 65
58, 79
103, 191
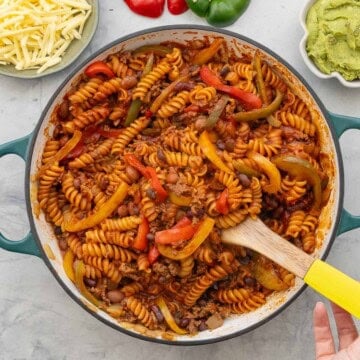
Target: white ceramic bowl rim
337, 206
310, 64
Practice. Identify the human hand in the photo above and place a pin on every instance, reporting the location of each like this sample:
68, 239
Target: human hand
349, 340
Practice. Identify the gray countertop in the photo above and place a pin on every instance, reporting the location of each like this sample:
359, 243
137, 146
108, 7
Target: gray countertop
38, 320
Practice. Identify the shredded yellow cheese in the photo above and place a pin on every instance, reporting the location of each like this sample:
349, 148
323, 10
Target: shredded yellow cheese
34, 34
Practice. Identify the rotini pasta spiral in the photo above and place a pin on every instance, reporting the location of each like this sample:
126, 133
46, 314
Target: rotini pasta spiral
150, 79
174, 105
125, 138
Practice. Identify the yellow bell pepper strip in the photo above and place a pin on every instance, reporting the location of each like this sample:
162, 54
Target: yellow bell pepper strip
270, 170
247, 99
179, 200
104, 211
222, 203
115, 310
264, 273
261, 113
79, 282
199, 237
261, 89
141, 241
165, 93
209, 150
68, 263
216, 112
204, 55
160, 302
302, 169
61, 154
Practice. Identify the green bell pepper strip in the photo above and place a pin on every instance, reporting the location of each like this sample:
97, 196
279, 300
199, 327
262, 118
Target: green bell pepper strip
219, 12
262, 112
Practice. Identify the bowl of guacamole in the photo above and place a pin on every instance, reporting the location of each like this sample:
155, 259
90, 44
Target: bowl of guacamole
331, 44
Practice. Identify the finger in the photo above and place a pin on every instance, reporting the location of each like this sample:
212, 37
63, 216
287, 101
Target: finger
346, 328
324, 342
353, 351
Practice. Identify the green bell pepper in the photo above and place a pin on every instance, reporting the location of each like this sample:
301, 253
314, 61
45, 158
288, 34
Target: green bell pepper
219, 12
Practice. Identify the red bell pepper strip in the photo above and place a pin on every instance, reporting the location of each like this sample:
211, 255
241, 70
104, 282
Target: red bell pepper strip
112, 133
222, 204
132, 160
156, 184
185, 221
248, 100
141, 241
97, 68
149, 8
173, 235
153, 254
150, 174
177, 7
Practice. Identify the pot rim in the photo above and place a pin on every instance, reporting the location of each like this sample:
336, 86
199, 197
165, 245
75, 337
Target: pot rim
71, 76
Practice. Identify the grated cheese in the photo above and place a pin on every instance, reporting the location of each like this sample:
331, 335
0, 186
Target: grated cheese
34, 34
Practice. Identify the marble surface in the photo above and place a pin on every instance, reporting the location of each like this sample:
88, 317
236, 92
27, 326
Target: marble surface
38, 320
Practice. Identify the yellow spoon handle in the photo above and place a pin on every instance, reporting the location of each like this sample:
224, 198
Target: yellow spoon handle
335, 285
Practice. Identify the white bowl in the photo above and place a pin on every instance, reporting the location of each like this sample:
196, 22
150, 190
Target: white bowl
310, 64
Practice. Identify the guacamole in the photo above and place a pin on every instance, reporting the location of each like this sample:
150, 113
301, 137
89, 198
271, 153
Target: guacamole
334, 37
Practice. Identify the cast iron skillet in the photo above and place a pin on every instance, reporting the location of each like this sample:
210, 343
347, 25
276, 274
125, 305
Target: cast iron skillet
33, 242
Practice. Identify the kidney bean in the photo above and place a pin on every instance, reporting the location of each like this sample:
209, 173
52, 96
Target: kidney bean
172, 177
245, 260
151, 193
115, 296
132, 173
202, 326
220, 144
63, 110
104, 183
63, 244
123, 210
89, 282
161, 155
200, 123
244, 180
229, 144
128, 82
184, 322
224, 71
160, 317
150, 236
133, 209
249, 281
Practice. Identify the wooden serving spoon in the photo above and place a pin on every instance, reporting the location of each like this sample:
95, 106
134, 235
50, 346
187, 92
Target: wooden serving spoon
322, 277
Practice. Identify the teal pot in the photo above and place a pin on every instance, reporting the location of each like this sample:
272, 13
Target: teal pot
41, 240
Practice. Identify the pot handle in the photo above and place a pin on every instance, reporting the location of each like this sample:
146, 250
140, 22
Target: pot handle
341, 124
26, 245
